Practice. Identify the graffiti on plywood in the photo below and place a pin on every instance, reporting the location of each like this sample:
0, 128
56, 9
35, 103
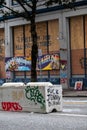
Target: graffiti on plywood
63, 64
63, 80
11, 106
34, 94
63, 76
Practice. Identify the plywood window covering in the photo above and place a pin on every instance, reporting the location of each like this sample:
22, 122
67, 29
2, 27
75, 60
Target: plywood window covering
42, 36
28, 41
18, 45
18, 41
2, 53
41, 29
77, 44
53, 29
86, 31
54, 45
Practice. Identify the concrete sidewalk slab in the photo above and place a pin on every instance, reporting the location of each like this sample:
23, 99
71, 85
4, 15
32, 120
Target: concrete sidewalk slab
74, 93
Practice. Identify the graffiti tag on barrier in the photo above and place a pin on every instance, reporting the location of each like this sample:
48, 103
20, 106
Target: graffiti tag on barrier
11, 106
34, 94
53, 97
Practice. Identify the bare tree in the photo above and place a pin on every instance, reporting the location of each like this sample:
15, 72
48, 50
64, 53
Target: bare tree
29, 13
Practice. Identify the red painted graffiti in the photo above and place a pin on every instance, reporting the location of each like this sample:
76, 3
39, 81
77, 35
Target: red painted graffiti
11, 106
63, 80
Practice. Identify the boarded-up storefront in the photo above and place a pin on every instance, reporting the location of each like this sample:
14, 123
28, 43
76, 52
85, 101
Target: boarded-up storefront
78, 43
47, 33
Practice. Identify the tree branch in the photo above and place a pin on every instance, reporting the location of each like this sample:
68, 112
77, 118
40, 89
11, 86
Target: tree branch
30, 6
16, 13
22, 5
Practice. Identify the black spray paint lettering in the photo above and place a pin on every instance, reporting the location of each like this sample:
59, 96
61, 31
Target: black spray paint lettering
53, 97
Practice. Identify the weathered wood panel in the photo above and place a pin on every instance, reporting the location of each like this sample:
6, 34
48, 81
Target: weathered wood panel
53, 27
77, 35
77, 61
2, 54
86, 31
28, 41
77, 44
18, 41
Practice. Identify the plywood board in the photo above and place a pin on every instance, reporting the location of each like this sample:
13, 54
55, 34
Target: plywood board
77, 61
76, 31
18, 41
53, 27
2, 54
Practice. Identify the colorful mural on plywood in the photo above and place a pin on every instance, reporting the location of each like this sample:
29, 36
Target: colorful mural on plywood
44, 62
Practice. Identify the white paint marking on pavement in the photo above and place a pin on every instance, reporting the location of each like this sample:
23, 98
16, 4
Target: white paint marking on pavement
72, 110
74, 102
64, 114
75, 115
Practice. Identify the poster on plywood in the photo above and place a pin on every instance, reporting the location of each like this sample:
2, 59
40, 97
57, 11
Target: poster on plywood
78, 85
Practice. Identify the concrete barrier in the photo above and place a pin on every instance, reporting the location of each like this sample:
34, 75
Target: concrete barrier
13, 84
42, 97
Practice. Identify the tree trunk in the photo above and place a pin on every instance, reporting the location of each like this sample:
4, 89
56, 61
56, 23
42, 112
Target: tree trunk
34, 51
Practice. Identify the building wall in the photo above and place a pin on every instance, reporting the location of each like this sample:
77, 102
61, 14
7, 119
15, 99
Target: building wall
67, 37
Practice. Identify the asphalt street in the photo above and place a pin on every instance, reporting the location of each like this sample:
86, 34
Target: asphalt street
68, 119
35, 121
75, 105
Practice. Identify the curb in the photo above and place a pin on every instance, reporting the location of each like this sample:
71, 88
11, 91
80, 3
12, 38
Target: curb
74, 93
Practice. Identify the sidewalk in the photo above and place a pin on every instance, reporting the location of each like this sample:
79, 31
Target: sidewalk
74, 93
